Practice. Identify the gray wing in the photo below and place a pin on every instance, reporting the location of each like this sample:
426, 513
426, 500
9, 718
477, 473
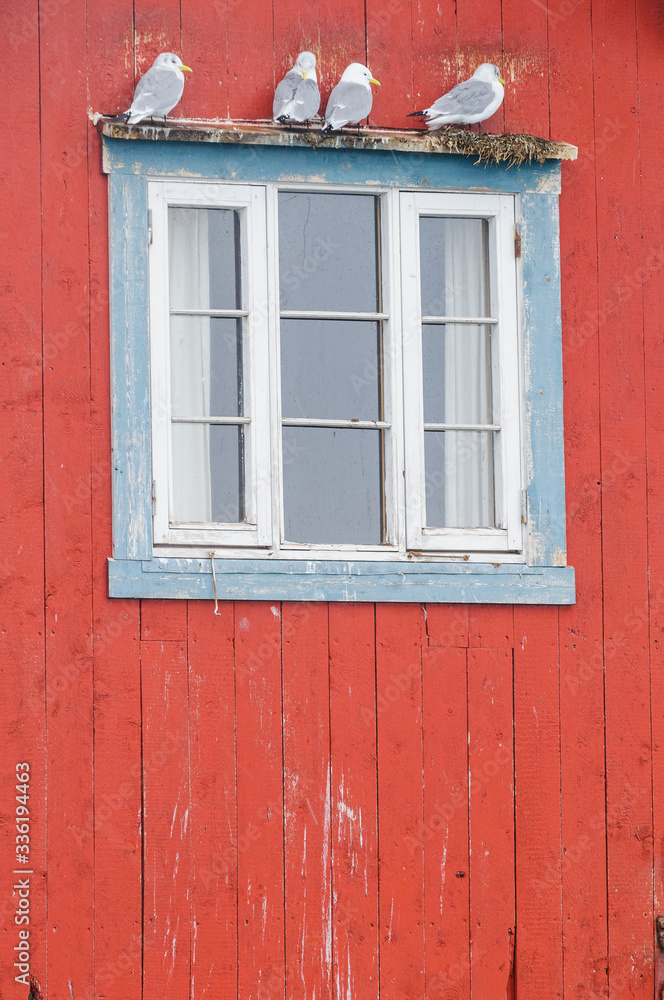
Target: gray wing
157, 92
348, 103
467, 98
295, 97
285, 93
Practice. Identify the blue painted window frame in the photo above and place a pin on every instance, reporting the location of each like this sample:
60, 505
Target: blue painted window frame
133, 569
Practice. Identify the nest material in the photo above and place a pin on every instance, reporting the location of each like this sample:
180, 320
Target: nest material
489, 148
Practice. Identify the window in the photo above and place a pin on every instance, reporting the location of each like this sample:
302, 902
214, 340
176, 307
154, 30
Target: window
337, 378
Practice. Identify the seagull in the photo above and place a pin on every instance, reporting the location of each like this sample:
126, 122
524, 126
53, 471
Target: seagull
297, 97
158, 91
351, 99
474, 100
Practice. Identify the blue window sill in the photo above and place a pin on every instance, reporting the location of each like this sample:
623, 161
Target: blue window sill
297, 580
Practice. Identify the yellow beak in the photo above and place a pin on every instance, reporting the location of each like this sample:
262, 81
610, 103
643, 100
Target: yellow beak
186, 68
304, 76
500, 80
371, 80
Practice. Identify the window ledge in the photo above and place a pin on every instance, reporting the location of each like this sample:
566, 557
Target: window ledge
291, 580
488, 147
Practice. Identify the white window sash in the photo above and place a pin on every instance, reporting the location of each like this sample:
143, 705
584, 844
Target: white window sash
499, 210
256, 530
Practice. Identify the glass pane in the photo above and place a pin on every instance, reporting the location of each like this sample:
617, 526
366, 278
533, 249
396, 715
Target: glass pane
208, 473
332, 485
459, 479
204, 264
330, 369
206, 367
454, 266
456, 372
328, 251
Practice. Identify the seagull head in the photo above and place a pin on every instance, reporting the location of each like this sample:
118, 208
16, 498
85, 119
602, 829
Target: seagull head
488, 72
357, 73
306, 65
170, 61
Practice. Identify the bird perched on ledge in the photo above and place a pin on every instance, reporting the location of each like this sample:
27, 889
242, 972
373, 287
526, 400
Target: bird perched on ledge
472, 101
297, 97
351, 99
158, 91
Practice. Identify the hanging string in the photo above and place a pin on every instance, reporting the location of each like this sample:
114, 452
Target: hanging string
214, 584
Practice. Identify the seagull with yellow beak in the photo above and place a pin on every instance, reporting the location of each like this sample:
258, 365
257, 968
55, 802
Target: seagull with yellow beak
351, 99
472, 101
297, 97
158, 91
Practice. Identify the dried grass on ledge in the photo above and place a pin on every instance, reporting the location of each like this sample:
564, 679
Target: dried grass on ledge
489, 148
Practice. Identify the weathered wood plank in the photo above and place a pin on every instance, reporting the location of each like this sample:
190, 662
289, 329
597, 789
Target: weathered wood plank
399, 741
307, 812
491, 825
585, 946
22, 676
213, 802
355, 940
259, 800
539, 969
622, 408
446, 847
167, 929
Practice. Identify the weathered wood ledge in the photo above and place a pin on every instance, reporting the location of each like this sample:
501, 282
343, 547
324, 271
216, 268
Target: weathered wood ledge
487, 147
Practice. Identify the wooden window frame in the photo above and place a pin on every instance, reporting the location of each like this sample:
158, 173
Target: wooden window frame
429, 565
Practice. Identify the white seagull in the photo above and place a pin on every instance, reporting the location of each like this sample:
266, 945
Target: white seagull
472, 101
351, 99
158, 91
297, 97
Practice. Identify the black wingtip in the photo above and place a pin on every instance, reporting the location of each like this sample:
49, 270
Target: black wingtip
416, 114
325, 129
124, 117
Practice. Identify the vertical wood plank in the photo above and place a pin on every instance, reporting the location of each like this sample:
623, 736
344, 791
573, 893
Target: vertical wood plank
307, 848
205, 50
651, 99
585, 946
399, 739
539, 969
390, 63
447, 624
163, 621
491, 626
156, 29
166, 821
118, 926
67, 496
434, 51
343, 40
260, 800
250, 58
355, 943
479, 39
446, 847
627, 684
492, 906
213, 802
525, 68
22, 676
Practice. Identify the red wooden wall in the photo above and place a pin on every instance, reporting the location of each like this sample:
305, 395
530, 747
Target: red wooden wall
343, 801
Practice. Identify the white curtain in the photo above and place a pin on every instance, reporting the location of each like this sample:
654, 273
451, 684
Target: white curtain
190, 364
468, 464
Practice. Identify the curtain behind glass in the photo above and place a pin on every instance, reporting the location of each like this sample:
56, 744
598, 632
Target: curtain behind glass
189, 270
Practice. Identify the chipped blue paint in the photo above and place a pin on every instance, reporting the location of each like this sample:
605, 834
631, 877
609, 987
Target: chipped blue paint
135, 573
291, 580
